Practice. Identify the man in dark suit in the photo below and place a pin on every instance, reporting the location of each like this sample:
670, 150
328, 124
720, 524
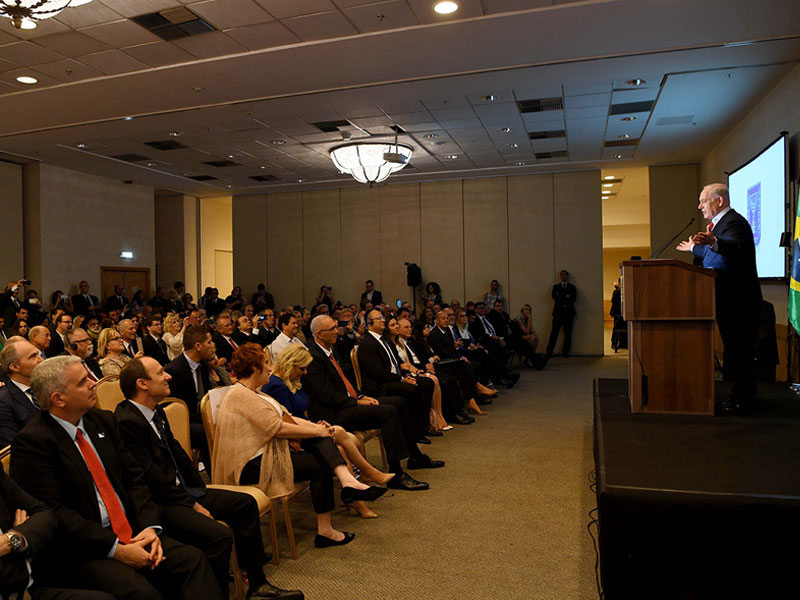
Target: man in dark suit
72, 458
262, 299
189, 507
152, 344
132, 343
17, 404
117, 301
267, 332
80, 345
58, 337
334, 398
83, 302
381, 374
190, 381
564, 295
728, 248
371, 295
223, 340
10, 300
501, 321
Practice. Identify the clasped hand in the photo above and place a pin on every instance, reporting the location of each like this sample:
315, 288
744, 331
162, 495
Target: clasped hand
144, 550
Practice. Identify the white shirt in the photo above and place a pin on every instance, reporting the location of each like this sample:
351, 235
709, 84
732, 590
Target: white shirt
280, 343
382, 344
25, 389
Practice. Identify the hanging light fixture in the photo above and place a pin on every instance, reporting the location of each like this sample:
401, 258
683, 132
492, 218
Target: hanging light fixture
25, 13
371, 162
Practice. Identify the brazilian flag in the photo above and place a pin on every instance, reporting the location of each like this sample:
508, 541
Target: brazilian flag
794, 291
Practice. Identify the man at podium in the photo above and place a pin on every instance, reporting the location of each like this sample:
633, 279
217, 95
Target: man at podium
727, 246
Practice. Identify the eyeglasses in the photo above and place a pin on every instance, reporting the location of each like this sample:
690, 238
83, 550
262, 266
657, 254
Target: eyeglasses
83, 341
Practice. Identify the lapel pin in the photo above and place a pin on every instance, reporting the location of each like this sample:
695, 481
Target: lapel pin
101, 435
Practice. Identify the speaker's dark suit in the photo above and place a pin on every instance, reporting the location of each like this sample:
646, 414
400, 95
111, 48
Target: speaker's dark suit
182, 385
80, 306
47, 464
738, 297
563, 315
116, 303
240, 511
155, 349
328, 400
377, 298
16, 409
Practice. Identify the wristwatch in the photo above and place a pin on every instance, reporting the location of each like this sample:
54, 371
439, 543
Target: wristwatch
15, 541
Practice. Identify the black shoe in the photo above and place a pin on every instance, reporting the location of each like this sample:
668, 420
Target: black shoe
423, 440
320, 541
424, 462
350, 495
483, 400
509, 383
267, 590
430, 433
404, 481
732, 405
463, 419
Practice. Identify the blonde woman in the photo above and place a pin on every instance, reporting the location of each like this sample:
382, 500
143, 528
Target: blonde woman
284, 386
174, 327
110, 352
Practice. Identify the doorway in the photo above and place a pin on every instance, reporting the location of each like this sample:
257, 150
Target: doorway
132, 279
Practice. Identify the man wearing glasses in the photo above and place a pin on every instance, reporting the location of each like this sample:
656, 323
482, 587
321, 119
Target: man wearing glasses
80, 344
58, 340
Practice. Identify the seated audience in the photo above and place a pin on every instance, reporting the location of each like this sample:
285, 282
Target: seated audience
17, 402
223, 341
218, 376
110, 535
117, 300
40, 337
19, 327
262, 299
130, 339
524, 323
509, 332
289, 325
174, 327
189, 508
58, 340
244, 332
80, 345
138, 302
433, 293
370, 294
235, 301
267, 331
152, 344
110, 352
83, 302
252, 447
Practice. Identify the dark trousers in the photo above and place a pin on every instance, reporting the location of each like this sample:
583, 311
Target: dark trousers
739, 334
185, 574
50, 593
464, 374
418, 401
390, 416
488, 367
560, 321
452, 397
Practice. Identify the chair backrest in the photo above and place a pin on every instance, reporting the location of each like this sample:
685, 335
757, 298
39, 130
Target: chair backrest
5, 457
109, 394
208, 421
215, 397
356, 368
178, 416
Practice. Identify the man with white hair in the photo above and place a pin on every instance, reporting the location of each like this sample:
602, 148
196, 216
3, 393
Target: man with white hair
80, 345
132, 343
17, 402
110, 538
40, 337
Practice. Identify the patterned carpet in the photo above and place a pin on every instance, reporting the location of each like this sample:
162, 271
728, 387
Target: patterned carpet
506, 518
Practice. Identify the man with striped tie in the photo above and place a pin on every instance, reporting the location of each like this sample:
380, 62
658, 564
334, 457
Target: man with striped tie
17, 403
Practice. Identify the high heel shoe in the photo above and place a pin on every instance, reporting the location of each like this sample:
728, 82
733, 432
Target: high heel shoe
486, 392
376, 481
361, 510
320, 541
350, 495
475, 409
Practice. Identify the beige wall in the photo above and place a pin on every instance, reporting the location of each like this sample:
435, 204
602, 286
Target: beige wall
462, 233
176, 241
673, 201
216, 234
11, 258
75, 223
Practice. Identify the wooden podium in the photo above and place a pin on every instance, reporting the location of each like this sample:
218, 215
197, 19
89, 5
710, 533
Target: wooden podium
669, 307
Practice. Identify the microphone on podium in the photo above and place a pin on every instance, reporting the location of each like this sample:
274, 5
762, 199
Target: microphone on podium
672, 239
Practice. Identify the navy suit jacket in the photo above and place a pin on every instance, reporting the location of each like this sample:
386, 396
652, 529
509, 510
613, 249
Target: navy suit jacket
16, 410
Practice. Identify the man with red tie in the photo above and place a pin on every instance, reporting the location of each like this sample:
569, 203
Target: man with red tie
110, 538
222, 338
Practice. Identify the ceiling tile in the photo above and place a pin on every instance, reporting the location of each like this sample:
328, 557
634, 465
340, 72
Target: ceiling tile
415, 117
72, 43
587, 100
467, 8
11, 76
448, 114
7, 38
532, 120
28, 53
351, 3
432, 125
211, 44
553, 145
6, 65
554, 125
120, 34
589, 111
460, 123
625, 96
587, 87
7, 88
321, 26
282, 9
494, 7
381, 16
159, 54
68, 70
112, 62
263, 35
224, 14
534, 93
133, 8
88, 14
501, 95
46, 27
496, 109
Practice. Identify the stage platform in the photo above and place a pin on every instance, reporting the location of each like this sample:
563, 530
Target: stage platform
695, 506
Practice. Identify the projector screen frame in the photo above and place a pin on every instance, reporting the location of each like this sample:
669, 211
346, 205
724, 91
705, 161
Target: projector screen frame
784, 135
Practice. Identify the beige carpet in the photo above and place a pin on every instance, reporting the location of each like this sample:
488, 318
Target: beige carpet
506, 518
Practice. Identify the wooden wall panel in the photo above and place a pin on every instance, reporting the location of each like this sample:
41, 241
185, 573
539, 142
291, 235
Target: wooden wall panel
361, 242
321, 243
250, 242
442, 236
400, 238
530, 248
285, 247
577, 220
485, 234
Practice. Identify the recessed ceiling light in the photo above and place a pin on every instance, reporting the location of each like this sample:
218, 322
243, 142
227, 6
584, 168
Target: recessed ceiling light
521, 163
624, 136
628, 119
607, 177
606, 191
229, 186
513, 145
451, 156
263, 166
505, 130
175, 133
151, 164
231, 155
278, 142
608, 185
636, 82
27, 79
618, 156
127, 118
431, 136
299, 180
445, 8
80, 145
489, 98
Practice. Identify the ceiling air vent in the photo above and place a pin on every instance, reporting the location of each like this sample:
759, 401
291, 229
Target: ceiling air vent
165, 145
621, 143
222, 163
547, 155
632, 107
203, 178
130, 157
263, 177
173, 23
397, 129
540, 105
547, 135
331, 126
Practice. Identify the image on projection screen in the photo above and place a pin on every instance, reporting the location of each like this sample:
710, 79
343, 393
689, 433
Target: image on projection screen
758, 191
